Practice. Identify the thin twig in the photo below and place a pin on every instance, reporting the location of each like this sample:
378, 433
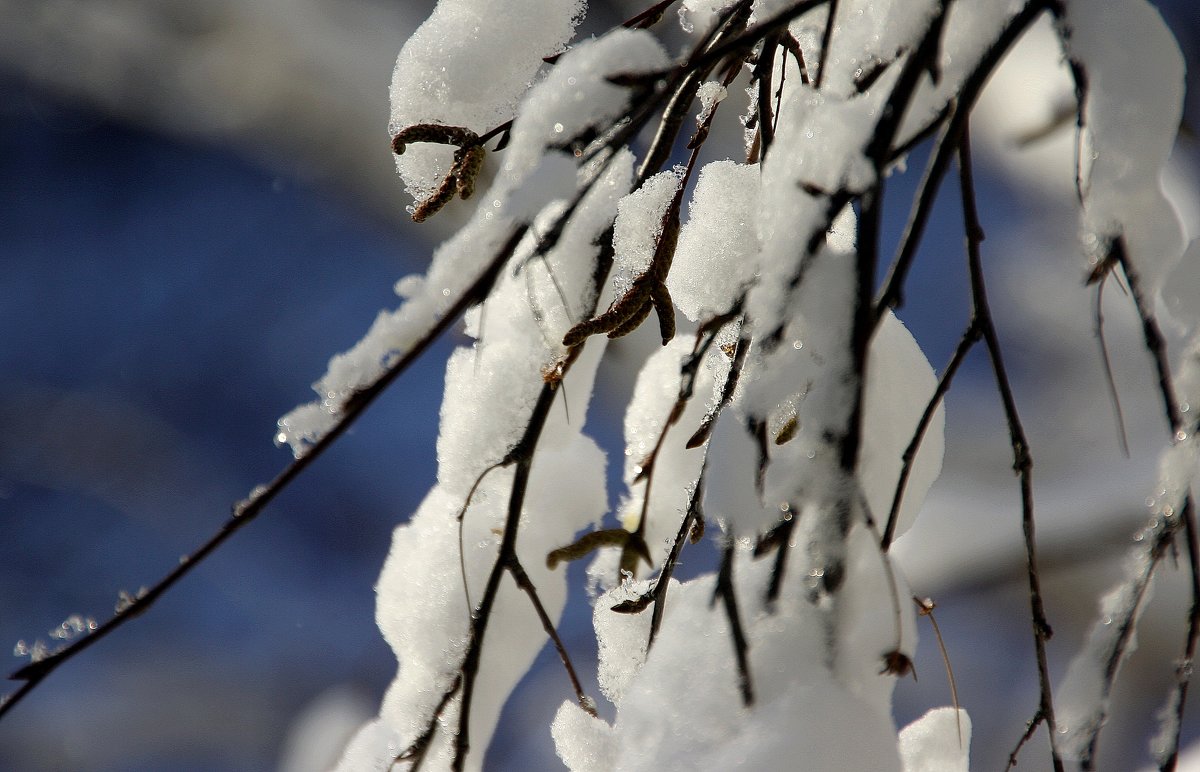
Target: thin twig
892, 294
751, 36
1183, 669
523, 454
249, 508
826, 40
926, 607
692, 519
1030, 728
1022, 459
741, 648
1156, 343
781, 538
523, 581
676, 110
895, 661
1124, 622
763, 70
1180, 432
1113, 395
416, 751
969, 338
649, 17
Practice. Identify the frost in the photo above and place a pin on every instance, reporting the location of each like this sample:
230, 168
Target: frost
73, 626
1085, 693
1162, 743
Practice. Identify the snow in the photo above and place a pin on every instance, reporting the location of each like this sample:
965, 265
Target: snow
768, 232
939, 741
460, 69
621, 638
716, 257
639, 225
1083, 697
684, 710
584, 743
710, 94
516, 195
697, 16
575, 97
1131, 115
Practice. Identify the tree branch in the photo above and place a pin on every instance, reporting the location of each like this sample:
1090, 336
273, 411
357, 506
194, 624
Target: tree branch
246, 510
1022, 459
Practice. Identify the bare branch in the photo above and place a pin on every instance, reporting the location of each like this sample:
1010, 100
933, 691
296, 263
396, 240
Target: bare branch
1022, 459
249, 508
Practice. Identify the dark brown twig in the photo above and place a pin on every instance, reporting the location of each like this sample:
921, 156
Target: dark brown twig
1180, 432
892, 294
741, 648
1022, 459
969, 338
248, 509
826, 41
522, 579
649, 17
1030, 728
692, 519
1114, 397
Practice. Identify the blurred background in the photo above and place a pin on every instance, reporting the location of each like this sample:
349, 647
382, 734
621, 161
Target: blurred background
198, 207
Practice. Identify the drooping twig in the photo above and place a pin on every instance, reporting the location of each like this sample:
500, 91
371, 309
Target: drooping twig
702, 433
1030, 728
763, 70
693, 521
1180, 432
925, 608
416, 750
1114, 396
633, 544
779, 539
826, 40
752, 34
522, 579
1156, 342
969, 338
732, 23
741, 648
1158, 537
522, 455
1183, 669
1079, 78
249, 508
649, 17
892, 294
1022, 458
649, 290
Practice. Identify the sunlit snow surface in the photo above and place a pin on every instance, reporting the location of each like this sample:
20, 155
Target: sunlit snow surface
815, 652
